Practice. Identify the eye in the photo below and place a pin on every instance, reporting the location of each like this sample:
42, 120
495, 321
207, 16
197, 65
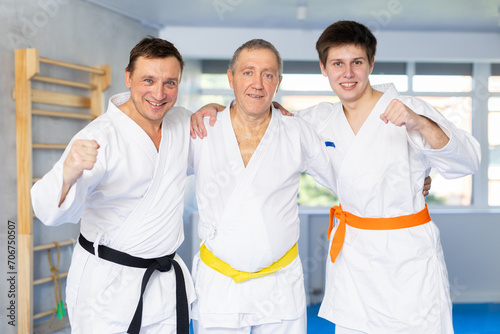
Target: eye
268, 76
148, 81
247, 73
358, 62
171, 83
337, 64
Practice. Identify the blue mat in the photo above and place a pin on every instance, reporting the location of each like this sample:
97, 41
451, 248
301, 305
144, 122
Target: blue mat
467, 319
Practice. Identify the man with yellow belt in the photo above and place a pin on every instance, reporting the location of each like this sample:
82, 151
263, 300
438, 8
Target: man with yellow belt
248, 276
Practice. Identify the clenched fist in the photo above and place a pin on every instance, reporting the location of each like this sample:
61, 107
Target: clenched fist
82, 156
399, 114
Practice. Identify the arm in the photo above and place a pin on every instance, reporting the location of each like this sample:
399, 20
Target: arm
399, 114
427, 186
59, 197
452, 151
197, 125
284, 111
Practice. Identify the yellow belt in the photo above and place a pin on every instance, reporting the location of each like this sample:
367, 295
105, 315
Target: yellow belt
346, 218
239, 276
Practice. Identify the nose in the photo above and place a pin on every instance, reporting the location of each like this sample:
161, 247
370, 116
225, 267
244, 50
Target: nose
257, 82
348, 71
158, 92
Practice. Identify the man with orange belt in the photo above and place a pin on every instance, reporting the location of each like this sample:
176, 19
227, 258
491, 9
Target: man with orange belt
386, 272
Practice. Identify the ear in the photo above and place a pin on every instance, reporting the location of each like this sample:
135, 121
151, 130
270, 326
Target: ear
278, 86
230, 77
323, 69
128, 79
372, 64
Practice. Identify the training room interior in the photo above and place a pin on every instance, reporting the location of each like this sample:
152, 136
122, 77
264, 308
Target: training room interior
446, 51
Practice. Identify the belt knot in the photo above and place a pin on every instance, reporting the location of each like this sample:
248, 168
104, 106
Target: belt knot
163, 264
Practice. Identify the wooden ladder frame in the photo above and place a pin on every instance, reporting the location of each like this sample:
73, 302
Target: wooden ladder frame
27, 68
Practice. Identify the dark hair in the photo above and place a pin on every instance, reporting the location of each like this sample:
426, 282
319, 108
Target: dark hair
255, 44
153, 47
343, 33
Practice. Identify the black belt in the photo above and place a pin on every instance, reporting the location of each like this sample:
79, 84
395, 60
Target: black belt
162, 264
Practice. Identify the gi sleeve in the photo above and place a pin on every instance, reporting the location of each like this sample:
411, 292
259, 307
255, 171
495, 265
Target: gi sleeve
460, 157
316, 157
46, 193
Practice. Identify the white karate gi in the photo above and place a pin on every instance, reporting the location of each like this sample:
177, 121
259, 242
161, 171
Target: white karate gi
390, 281
131, 201
249, 219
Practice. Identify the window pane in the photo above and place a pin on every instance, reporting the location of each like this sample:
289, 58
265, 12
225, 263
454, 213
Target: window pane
494, 151
494, 193
494, 128
494, 104
458, 110
314, 194
494, 84
294, 103
220, 99
399, 81
214, 81
305, 82
442, 83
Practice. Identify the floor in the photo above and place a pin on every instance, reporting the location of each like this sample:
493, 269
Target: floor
467, 319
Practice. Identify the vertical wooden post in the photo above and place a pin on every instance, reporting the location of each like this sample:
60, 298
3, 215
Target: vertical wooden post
26, 66
101, 83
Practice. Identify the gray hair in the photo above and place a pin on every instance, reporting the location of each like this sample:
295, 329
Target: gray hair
256, 44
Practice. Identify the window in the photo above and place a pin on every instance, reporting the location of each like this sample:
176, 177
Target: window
446, 86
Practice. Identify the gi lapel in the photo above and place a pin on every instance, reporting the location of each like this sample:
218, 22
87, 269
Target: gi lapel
248, 174
159, 158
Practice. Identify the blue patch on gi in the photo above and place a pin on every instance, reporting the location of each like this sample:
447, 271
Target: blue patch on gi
329, 143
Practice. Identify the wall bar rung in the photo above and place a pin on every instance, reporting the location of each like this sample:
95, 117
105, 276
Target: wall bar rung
48, 279
60, 99
46, 313
49, 146
63, 82
64, 114
72, 66
53, 245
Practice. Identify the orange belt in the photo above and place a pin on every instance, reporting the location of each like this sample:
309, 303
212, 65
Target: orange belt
393, 223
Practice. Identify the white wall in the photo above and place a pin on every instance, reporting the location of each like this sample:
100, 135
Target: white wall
220, 43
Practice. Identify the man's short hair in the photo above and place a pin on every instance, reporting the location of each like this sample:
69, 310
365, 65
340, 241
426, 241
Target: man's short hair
256, 44
344, 33
153, 47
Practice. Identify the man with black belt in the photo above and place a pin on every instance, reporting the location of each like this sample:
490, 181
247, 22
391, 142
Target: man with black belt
124, 177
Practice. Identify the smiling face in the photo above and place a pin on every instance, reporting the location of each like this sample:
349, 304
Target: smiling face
255, 80
154, 84
347, 68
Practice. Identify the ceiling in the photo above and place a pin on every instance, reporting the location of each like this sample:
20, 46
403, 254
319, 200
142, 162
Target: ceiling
407, 15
